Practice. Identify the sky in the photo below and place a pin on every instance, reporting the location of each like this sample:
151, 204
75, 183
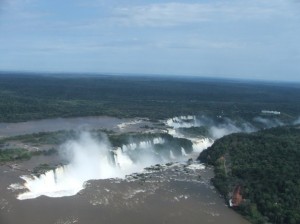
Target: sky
248, 39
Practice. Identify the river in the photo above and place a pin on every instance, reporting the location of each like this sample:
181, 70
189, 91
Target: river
171, 194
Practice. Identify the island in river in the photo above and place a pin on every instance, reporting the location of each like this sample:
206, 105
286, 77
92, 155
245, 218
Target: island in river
138, 164
173, 192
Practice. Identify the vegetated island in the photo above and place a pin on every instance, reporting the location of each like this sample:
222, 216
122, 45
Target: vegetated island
23, 147
259, 173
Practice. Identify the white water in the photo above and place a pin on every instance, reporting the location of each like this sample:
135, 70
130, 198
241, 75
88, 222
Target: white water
142, 144
182, 122
91, 159
126, 124
199, 144
183, 152
216, 130
172, 157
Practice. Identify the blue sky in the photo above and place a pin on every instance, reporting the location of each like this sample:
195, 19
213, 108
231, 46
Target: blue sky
257, 39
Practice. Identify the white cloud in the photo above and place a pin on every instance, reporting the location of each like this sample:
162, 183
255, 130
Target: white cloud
17, 4
22, 10
197, 43
159, 14
245, 37
174, 14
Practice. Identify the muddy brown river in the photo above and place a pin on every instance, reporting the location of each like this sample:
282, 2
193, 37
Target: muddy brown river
175, 193
56, 124
169, 195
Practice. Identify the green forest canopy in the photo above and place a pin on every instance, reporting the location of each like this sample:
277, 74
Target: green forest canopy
266, 166
28, 97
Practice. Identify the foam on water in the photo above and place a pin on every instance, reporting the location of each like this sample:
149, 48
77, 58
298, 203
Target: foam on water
92, 159
182, 121
183, 152
200, 144
89, 160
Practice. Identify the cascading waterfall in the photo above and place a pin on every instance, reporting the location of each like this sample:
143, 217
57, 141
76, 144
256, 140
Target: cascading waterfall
183, 152
172, 157
182, 121
199, 144
91, 159
216, 130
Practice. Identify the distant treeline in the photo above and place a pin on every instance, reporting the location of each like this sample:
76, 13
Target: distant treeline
265, 166
27, 97
57, 138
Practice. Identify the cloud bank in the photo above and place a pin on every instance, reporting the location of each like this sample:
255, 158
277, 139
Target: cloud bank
176, 13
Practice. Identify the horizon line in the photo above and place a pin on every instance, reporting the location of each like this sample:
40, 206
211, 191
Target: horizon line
161, 75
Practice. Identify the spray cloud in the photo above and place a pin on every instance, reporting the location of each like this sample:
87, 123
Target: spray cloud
90, 159
297, 121
268, 123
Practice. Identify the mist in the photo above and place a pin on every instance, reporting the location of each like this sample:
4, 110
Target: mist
183, 122
229, 127
268, 123
297, 121
90, 158
216, 128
